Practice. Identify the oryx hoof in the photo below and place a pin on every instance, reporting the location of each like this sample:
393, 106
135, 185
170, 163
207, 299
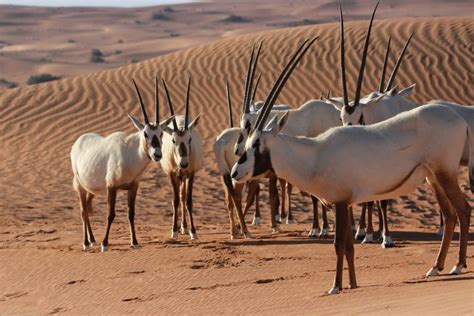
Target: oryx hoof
289, 220
135, 246
334, 290
440, 231
324, 233
194, 236
368, 239
174, 235
275, 230
93, 243
256, 221
104, 248
360, 234
278, 219
456, 269
184, 230
387, 242
314, 232
86, 247
247, 235
432, 272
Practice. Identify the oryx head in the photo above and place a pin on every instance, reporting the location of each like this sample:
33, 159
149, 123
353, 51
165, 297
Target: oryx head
181, 136
151, 133
248, 118
352, 113
255, 160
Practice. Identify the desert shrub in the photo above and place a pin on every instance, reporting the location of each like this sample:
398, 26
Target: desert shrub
236, 19
7, 84
169, 10
97, 56
34, 79
160, 16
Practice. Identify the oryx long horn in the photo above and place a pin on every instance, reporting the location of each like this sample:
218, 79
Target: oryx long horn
397, 65
157, 103
252, 76
364, 59
229, 103
384, 69
281, 81
343, 60
142, 105
186, 105
256, 87
247, 82
170, 105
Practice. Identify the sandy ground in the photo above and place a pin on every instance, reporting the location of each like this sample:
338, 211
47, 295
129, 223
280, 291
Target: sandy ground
44, 270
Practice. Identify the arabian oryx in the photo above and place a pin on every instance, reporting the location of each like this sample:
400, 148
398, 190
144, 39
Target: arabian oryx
226, 158
103, 165
310, 119
347, 118
390, 101
182, 158
354, 164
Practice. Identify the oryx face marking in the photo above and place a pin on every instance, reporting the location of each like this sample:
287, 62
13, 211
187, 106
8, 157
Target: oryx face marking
182, 147
246, 123
255, 161
153, 135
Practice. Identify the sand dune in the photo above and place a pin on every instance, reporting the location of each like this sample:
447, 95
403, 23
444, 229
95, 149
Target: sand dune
41, 258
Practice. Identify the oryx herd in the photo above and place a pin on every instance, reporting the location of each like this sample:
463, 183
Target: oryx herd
386, 147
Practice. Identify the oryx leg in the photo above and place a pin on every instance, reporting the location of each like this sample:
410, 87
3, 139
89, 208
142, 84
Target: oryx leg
369, 236
450, 223
183, 195
387, 241
343, 248
360, 234
441, 224
81, 193
89, 198
132, 196
289, 189
274, 201
111, 196
351, 214
175, 184
450, 185
230, 209
315, 229
253, 187
325, 230
237, 198
189, 204
283, 214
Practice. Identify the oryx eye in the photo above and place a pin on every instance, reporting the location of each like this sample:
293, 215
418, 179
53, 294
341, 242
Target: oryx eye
161, 134
241, 138
174, 142
145, 134
189, 142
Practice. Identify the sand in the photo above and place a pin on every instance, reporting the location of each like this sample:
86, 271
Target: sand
44, 270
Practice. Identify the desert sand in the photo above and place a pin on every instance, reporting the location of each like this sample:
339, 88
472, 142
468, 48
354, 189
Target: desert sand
44, 270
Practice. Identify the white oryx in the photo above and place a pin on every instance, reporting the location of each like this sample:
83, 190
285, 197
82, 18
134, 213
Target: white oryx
389, 101
103, 165
226, 158
355, 164
182, 158
310, 119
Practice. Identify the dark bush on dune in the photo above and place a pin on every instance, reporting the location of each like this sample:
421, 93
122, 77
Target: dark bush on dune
236, 19
160, 16
97, 56
7, 84
42, 78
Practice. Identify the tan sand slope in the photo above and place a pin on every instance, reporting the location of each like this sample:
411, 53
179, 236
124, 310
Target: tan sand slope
41, 261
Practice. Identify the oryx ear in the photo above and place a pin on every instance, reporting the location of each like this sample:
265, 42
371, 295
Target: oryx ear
392, 91
276, 125
136, 122
164, 125
195, 122
338, 105
370, 105
407, 91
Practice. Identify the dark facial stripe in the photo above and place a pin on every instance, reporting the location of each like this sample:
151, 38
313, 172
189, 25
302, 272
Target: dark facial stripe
182, 150
248, 126
241, 138
263, 162
242, 158
155, 142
